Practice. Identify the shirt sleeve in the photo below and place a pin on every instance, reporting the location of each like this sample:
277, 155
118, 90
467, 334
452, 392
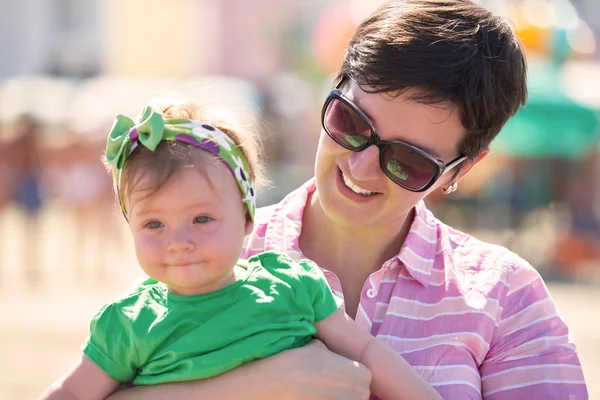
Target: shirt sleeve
110, 344
531, 355
324, 301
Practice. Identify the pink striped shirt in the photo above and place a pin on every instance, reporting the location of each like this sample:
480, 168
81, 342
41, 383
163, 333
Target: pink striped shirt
473, 318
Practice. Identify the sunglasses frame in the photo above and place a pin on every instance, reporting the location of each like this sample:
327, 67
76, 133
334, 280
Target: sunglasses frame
440, 166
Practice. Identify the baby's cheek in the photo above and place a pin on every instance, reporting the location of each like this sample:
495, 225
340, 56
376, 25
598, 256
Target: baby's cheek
148, 249
226, 246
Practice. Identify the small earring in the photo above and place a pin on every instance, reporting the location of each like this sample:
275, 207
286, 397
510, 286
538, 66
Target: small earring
451, 188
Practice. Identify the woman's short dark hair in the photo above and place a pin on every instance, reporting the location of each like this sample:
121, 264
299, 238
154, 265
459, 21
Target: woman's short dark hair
452, 50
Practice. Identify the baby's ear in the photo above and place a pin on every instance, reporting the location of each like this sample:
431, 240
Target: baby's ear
249, 224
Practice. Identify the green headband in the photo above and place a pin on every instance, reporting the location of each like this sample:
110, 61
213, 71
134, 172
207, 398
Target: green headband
151, 129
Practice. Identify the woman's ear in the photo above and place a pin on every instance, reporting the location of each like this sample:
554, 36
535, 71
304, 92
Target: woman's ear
468, 164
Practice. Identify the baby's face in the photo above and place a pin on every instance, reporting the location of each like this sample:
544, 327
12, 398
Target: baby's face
189, 233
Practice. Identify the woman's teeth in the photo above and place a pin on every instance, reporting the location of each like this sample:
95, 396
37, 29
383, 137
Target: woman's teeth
354, 188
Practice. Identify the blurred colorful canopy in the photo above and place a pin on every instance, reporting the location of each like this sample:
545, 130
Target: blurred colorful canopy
552, 124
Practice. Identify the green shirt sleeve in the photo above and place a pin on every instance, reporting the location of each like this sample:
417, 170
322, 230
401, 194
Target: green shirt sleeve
110, 344
324, 301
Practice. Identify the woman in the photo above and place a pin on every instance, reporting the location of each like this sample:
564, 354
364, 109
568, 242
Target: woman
424, 88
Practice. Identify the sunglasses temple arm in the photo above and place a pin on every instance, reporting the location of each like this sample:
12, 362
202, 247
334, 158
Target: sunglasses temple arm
454, 163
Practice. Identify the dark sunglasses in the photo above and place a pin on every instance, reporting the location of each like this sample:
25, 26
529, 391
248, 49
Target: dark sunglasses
406, 165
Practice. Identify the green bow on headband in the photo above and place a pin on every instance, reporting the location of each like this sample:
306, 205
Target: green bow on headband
151, 129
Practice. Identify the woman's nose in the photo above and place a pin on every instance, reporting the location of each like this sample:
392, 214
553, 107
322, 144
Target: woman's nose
364, 165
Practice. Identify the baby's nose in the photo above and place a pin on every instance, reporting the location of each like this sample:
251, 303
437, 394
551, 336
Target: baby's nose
181, 241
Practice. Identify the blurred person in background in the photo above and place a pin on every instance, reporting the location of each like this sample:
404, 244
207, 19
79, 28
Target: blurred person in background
578, 250
424, 88
77, 182
20, 174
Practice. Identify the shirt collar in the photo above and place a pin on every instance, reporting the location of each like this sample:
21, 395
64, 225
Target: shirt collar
417, 253
285, 223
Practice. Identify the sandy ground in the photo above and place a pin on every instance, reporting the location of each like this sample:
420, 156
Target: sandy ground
44, 324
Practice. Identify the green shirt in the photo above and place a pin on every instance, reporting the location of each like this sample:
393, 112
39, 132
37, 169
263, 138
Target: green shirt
153, 336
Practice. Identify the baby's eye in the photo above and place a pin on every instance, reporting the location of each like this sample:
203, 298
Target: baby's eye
203, 219
154, 225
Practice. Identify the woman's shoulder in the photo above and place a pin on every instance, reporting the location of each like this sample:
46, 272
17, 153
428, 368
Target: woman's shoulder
263, 214
291, 206
465, 254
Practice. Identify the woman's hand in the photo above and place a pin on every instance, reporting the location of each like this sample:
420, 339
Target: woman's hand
314, 372
309, 372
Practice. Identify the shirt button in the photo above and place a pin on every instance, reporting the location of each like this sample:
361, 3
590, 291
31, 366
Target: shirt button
371, 293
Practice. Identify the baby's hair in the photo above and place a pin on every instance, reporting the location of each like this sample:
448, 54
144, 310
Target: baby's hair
170, 157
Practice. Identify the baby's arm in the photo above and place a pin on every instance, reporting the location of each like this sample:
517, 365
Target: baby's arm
393, 378
84, 381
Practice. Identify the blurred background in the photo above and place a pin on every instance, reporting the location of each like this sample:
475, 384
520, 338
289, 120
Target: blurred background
69, 66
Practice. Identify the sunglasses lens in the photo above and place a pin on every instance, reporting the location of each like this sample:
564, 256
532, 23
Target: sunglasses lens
408, 168
345, 126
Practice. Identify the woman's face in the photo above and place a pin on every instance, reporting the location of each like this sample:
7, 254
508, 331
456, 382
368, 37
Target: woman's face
352, 189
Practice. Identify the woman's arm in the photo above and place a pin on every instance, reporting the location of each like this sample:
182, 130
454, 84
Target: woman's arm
531, 355
393, 378
309, 372
85, 381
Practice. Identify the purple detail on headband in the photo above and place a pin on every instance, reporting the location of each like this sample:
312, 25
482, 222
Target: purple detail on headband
187, 139
208, 127
205, 144
210, 146
133, 134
